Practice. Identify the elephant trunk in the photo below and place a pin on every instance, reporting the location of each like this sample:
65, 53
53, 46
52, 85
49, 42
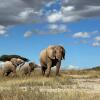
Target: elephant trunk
59, 57
20, 65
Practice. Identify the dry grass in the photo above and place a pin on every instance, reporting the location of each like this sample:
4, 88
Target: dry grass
71, 85
88, 73
37, 95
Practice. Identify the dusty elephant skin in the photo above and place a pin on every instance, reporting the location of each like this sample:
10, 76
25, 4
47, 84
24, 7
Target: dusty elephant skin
51, 57
27, 68
10, 66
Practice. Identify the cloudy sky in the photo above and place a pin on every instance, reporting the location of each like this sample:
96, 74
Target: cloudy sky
28, 26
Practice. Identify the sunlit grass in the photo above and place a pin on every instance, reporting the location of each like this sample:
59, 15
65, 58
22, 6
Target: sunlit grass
37, 87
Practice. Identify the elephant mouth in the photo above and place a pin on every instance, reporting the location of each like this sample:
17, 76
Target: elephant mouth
58, 58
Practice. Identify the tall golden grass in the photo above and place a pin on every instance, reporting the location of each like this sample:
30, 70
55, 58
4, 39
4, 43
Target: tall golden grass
37, 87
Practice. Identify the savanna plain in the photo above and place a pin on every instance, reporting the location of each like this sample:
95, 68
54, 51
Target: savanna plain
70, 85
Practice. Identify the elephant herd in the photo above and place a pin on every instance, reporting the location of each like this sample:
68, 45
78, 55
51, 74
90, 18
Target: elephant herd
49, 57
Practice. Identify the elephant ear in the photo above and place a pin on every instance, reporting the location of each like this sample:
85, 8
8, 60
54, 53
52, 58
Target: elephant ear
20, 61
63, 52
14, 61
51, 52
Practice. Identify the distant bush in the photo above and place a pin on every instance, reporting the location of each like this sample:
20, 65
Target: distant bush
8, 58
96, 68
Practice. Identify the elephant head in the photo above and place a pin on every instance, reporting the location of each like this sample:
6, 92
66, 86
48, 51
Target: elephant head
56, 52
32, 65
60, 52
17, 61
20, 62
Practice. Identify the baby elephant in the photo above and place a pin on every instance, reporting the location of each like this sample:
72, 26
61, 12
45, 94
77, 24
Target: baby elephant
27, 68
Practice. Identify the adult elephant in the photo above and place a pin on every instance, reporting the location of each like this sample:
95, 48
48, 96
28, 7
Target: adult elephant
50, 57
10, 66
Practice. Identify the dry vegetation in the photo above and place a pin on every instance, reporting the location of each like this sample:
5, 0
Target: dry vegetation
71, 85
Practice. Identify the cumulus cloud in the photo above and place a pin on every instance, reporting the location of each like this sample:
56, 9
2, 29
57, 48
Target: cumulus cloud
3, 30
97, 38
90, 38
49, 29
54, 17
72, 67
81, 35
74, 10
84, 34
28, 34
96, 41
56, 28
96, 44
15, 12
20, 11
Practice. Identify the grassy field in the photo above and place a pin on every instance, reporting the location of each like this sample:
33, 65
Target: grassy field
71, 85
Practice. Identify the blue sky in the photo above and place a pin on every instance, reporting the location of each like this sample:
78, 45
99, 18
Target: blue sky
28, 27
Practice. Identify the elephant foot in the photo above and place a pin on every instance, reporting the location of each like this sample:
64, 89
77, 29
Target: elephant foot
47, 75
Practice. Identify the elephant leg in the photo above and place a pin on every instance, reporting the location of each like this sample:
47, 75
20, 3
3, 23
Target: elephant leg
58, 67
29, 73
7, 73
49, 68
3, 73
14, 73
43, 70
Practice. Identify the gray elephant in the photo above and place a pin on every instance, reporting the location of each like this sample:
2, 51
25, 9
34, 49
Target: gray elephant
27, 68
50, 57
10, 66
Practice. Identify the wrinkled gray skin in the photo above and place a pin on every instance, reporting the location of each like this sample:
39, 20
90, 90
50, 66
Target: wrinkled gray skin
51, 57
10, 66
27, 68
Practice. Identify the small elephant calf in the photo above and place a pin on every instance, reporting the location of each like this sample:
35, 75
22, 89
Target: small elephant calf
27, 68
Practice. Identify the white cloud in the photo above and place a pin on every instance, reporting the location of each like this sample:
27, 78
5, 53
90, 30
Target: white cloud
61, 27
49, 4
26, 12
28, 34
95, 32
97, 38
96, 44
69, 8
3, 30
75, 10
14, 12
54, 17
81, 35
53, 26
72, 67
60, 17
49, 29
57, 28
23, 11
